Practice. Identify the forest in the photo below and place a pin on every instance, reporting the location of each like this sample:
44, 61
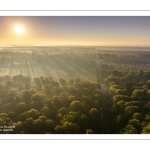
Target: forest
74, 90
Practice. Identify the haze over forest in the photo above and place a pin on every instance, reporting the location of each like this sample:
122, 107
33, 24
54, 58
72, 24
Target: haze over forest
74, 75
54, 61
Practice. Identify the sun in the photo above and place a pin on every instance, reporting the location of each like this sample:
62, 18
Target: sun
19, 29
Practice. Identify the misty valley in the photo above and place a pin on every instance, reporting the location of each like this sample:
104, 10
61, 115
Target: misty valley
74, 90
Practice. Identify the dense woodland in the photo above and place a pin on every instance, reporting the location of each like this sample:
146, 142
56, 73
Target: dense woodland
111, 95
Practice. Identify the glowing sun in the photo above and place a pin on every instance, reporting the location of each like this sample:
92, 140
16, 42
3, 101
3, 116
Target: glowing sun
19, 29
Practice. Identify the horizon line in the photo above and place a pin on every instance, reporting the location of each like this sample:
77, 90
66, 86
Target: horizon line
82, 45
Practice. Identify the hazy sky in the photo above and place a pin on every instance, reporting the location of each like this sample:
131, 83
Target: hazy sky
76, 30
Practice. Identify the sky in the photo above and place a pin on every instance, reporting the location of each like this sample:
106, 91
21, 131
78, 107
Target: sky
76, 30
